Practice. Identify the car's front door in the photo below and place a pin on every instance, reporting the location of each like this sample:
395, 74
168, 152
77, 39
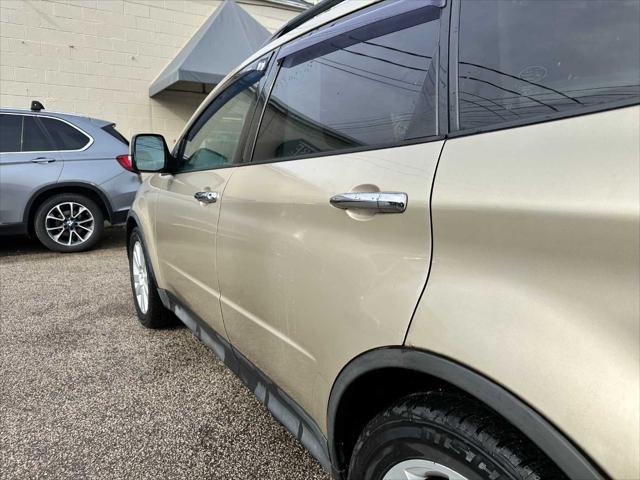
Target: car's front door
318, 258
188, 202
28, 162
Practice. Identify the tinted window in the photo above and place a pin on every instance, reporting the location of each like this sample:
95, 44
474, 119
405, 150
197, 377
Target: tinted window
34, 136
111, 130
65, 137
10, 133
374, 86
525, 58
215, 138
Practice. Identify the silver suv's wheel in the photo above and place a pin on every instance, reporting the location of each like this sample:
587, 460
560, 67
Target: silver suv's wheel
418, 469
69, 222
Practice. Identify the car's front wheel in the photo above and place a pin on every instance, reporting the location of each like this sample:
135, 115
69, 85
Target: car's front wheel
69, 222
151, 312
446, 436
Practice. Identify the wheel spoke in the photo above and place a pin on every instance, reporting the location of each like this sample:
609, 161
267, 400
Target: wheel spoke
138, 256
81, 210
80, 237
60, 210
419, 469
55, 228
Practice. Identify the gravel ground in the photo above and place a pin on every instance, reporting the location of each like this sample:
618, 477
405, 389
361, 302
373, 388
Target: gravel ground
86, 392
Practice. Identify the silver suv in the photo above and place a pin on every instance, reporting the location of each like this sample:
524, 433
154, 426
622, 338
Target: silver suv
62, 176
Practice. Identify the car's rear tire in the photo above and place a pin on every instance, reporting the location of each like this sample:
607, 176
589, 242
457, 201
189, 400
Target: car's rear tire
440, 435
69, 222
151, 312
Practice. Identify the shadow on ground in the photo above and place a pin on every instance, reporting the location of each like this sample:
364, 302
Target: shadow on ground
114, 237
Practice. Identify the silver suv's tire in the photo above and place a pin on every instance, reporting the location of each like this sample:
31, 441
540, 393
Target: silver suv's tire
446, 436
69, 222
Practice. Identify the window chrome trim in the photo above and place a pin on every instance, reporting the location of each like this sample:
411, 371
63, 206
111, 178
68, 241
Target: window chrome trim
27, 114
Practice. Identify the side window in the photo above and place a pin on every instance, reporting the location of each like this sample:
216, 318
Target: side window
64, 136
373, 85
215, 140
34, 136
526, 58
10, 133
111, 130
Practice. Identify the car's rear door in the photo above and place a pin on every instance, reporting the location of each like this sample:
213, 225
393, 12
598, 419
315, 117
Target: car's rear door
28, 162
188, 201
352, 116
536, 214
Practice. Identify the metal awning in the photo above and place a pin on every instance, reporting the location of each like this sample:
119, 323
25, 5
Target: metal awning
226, 38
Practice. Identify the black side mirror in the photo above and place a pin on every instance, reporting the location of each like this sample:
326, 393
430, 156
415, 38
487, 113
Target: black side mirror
149, 153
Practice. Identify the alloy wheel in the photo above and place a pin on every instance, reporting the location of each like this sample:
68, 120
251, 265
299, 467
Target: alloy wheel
140, 277
418, 469
69, 223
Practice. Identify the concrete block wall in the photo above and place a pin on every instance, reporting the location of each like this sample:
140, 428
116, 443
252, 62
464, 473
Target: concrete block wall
98, 57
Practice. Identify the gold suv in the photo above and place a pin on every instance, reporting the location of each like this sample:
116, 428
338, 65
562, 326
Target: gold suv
412, 228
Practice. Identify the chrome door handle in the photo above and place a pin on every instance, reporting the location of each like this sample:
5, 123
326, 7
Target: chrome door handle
206, 197
43, 160
380, 202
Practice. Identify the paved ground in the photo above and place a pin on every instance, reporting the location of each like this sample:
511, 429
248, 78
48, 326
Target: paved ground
86, 392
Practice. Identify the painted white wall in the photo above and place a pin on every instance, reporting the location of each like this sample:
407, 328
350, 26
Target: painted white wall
98, 57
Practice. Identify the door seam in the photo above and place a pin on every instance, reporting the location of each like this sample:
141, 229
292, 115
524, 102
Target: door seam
224, 189
424, 287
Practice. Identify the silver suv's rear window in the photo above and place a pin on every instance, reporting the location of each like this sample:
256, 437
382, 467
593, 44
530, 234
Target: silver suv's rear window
34, 133
111, 130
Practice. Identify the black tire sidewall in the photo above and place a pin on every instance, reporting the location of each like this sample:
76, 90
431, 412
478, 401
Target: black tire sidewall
156, 316
400, 440
40, 223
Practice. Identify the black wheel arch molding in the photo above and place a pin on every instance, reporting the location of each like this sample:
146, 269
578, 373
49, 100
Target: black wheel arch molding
556, 445
54, 188
132, 221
